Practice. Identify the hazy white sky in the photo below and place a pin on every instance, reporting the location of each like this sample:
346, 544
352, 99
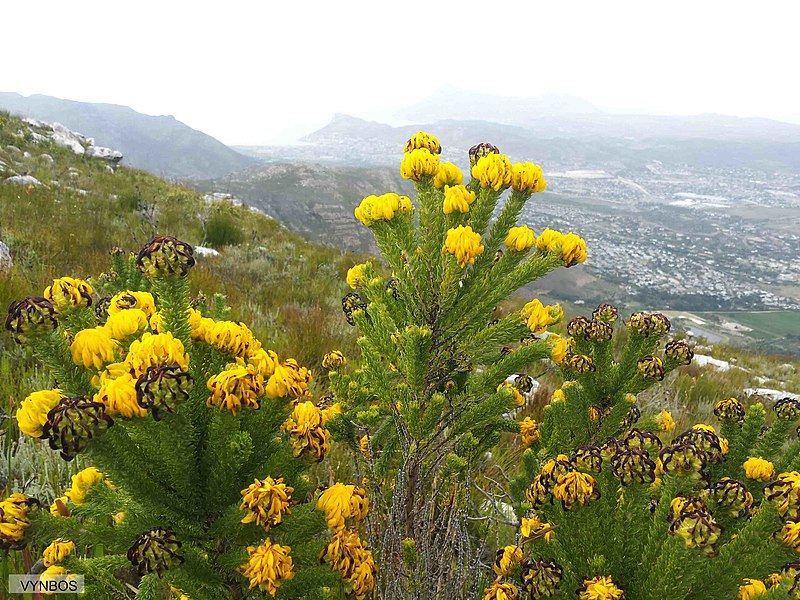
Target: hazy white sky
246, 71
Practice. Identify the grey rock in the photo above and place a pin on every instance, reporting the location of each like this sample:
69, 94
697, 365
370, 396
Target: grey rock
24, 180
5, 258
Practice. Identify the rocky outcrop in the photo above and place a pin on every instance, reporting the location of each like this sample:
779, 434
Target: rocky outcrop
23, 180
77, 142
5, 258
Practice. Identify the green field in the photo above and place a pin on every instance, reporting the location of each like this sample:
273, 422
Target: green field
767, 324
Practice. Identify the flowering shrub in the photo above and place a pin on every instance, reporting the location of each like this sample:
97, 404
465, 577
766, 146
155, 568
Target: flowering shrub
200, 439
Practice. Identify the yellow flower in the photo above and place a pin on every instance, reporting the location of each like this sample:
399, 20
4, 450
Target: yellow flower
68, 292
355, 275
264, 362
448, 174
178, 593
269, 565
751, 589
773, 580
331, 411
423, 140
419, 163
55, 510
363, 445
507, 559
49, 573
559, 348
575, 488
758, 468
306, 431
600, 588
14, 519
126, 323
501, 590
457, 198
348, 555
32, 412
155, 349
340, 502
289, 378
57, 551
334, 360
665, 420
464, 244
93, 348
529, 430
235, 387
493, 171
549, 240
128, 299
573, 249
519, 399
119, 397
382, 208
540, 317
520, 238
534, 527
111, 371
558, 396
527, 178
790, 535
266, 502
82, 482
232, 337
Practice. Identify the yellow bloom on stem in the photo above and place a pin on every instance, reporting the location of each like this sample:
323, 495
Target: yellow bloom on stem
126, 323
519, 399
57, 551
14, 519
507, 559
264, 362
558, 396
119, 397
382, 208
266, 502
520, 238
334, 360
93, 348
573, 249
665, 420
355, 275
493, 171
269, 565
331, 411
752, 588
559, 348
773, 580
600, 588
529, 430
363, 445
419, 163
32, 412
82, 482
457, 199
306, 430
289, 378
236, 338
423, 140
59, 511
758, 468
575, 488
464, 244
349, 556
340, 502
790, 535
448, 175
549, 240
236, 387
155, 349
534, 527
501, 590
128, 299
68, 292
540, 317
527, 178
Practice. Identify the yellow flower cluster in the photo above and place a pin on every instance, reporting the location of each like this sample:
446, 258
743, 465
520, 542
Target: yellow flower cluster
57, 551
418, 164
32, 412
752, 588
306, 430
423, 140
93, 348
570, 246
238, 386
448, 175
527, 178
340, 502
493, 171
348, 555
266, 502
289, 378
82, 482
529, 431
268, 566
759, 469
355, 275
576, 488
382, 208
464, 244
507, 559
534, 527
600, 588
520, 239
334, 360
519, 399
13, 519
457, 199
665, 420
155, 349
68, 292
501, 590
540, 317
790, 535
559, 348
119, 397
128, 299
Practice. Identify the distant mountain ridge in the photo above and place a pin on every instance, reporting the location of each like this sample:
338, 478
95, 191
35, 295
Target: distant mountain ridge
159, 144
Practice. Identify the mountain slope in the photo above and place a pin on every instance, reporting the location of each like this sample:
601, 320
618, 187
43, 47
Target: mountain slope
159, 144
